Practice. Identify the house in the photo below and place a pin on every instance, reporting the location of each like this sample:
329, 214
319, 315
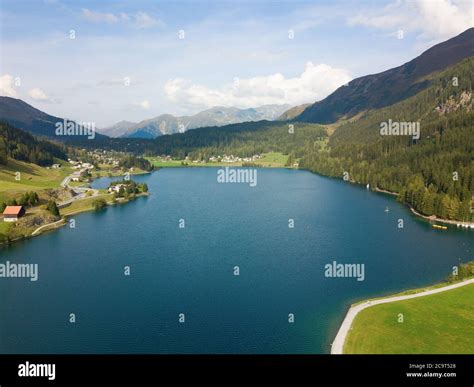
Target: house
12, 213
116, 188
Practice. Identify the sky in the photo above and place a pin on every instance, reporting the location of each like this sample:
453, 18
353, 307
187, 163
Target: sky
107, 61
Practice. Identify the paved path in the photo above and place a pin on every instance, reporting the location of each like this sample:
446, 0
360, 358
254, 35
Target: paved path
46, 225
338, 344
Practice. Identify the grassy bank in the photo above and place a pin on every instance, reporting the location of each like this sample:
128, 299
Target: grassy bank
437, 323
84, 205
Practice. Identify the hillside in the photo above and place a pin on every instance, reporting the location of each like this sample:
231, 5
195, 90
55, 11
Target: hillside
24, 116
32, 178
434, 174
244, 139
391, 86
19, 145
21, 115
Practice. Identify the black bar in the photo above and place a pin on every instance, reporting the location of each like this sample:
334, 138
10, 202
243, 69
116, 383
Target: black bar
318, 370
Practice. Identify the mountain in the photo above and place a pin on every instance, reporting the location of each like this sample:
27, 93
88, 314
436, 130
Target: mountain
216, 116
117, 129
433, 171
154, 127
24, 116
293, 112
21, 115
391, 86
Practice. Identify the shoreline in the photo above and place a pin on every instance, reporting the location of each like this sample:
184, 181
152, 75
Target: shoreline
63, 221
337, 346
64, 218
431, 218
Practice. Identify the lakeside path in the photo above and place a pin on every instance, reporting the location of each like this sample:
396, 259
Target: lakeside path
338, 343
57, 223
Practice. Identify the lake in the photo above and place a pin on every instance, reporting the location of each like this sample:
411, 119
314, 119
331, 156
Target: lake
190, 270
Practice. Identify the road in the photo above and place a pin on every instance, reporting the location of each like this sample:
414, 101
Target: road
338, 343
81, 192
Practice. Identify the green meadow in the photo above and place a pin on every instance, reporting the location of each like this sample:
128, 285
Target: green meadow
32, 178
440, 323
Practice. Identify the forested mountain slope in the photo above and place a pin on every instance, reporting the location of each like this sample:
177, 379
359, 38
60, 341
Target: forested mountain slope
434, 174
20, 145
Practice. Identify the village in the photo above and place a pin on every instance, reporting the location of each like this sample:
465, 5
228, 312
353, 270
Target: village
219, 159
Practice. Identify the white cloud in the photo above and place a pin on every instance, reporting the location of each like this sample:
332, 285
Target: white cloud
7, 86
38, 94
138, 20
99, 17
143, 20
315, 83
143, 104
434, 20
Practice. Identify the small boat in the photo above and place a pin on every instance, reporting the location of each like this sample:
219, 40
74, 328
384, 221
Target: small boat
439, 227
386, 209
368, 186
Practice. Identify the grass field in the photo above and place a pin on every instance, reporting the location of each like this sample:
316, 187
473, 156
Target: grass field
84, 204
273, 160
32, 178
158, 162
438, 323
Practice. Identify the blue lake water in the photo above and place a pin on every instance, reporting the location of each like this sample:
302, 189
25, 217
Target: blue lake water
191, 270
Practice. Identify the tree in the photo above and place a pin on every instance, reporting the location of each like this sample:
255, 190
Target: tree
99, 204
52, 207
427, 205
12, 202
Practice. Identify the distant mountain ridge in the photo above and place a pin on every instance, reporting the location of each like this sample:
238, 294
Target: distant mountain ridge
216, 116
386, 88
22, 115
